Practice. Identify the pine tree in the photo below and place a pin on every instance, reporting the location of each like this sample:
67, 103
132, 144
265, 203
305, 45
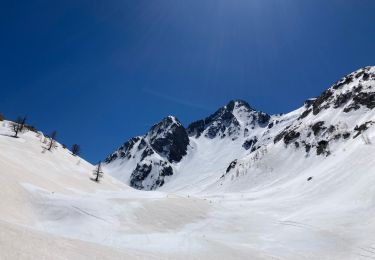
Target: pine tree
98, 173
76, 149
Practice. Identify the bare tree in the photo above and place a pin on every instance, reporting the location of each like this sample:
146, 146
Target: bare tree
18, 126
76, 149
52, 140
98, 173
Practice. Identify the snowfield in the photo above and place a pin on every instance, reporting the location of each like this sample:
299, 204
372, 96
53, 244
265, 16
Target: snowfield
50, 209
282, 200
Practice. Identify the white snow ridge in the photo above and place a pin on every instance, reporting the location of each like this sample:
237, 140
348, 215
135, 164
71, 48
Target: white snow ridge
239, 184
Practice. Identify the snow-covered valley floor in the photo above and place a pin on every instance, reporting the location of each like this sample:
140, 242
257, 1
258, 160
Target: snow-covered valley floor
50, 209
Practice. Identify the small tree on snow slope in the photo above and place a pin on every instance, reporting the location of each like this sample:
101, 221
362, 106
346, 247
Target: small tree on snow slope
76, 149
18, 126
52, 140
98, 173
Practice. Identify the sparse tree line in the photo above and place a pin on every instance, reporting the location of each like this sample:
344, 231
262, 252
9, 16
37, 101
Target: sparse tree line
19, 126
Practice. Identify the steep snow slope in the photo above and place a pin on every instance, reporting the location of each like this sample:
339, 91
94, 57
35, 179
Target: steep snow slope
50, 209
294, 188
236, 139
25, 160
209, 159
25, 165
327, 129
204, 149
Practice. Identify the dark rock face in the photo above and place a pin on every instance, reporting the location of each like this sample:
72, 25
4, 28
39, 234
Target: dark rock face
305, 113
307, 146
319, 135
309, 102
165, 143
344, 81
147, 152
142, 144
361, 128
288, 135
318, 127
291, 136
322, 148
262, 118
224, 122
139, 175
169, 138
342, 99
279, 136
231, 166
215, 124
166, 170
365, 99
319, 105
335, 97
123, 151
250, 143
196, 128
142, 172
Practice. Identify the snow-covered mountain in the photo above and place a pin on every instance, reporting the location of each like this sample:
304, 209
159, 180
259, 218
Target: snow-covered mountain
149, 161
321, 134
239, 184
235, 120
228, 143
152, 155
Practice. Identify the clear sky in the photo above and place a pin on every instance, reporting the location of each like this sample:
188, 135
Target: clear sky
100, 72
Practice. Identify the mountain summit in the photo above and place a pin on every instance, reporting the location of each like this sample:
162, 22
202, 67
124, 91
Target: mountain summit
235, 119
237, 138
152, 155
151, 159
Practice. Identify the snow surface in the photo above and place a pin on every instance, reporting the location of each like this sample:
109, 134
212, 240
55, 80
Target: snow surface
262, 209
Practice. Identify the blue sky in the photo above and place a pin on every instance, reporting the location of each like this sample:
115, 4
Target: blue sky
100, 72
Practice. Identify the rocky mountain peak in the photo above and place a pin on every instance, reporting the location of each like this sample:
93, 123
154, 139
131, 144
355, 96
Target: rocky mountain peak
154, 153
165, 126
169, 138
332, 116
350, 93
233, 120
317, 130
238, 104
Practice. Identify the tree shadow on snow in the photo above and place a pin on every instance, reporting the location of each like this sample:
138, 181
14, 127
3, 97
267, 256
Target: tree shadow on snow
8, 135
